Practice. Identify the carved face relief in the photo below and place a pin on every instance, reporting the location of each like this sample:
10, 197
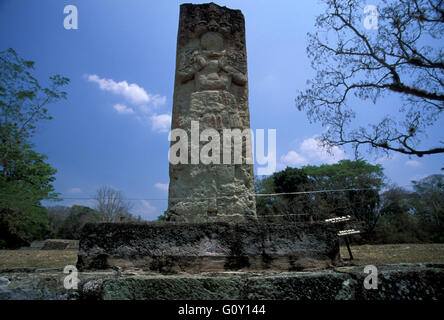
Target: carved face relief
213, 22
211, 18
212, 41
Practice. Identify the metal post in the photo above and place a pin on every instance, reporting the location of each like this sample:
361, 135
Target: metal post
347, 243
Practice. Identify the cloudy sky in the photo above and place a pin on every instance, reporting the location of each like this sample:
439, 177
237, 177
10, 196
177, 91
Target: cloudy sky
113, 128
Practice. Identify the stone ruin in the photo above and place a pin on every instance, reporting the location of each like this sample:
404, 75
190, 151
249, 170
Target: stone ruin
211, 209
211, 88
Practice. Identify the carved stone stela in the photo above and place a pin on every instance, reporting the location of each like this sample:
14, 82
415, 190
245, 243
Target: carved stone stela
212, 206
211, 87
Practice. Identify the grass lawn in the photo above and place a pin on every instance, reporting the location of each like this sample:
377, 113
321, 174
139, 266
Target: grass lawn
37, 258
363, 254
395, 253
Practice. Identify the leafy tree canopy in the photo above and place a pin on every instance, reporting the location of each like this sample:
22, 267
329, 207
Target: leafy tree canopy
25, 176
333, 200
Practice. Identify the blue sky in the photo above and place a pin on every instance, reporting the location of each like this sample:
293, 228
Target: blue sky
113, 128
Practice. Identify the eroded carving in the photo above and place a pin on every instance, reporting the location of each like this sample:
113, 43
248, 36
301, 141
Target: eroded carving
211, 87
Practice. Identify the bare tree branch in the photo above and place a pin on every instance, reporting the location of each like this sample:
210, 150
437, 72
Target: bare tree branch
111, 203
399, 58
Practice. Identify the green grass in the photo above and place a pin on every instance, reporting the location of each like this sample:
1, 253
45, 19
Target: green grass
395, 253
37, 258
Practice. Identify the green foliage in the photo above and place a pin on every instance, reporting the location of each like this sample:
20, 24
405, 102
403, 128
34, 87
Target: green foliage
289, 180
400, 227
428, 204
19, 227
393, 216
25, 176
76, 218
395, 200
67, 222
412, 216
162, 217
57, 215
22, 100
23, 186
345, 174
266, 207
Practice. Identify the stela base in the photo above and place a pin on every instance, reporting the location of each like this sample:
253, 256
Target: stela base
176, 247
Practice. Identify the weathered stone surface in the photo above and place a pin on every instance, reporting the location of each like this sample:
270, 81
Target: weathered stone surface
324, 285
396, 282
211, 87
42, 284
172, 287
211, 246
403, 282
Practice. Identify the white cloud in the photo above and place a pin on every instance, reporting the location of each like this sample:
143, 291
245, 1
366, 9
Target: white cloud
161, 122
311, 151
146, 210
130, 91
123, 109
157, 100
144, 102
74, 191
293, 158
413, 163
147, 207
162, 186
143, 108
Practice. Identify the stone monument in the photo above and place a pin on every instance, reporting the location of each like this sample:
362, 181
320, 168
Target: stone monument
211, 88
211, 210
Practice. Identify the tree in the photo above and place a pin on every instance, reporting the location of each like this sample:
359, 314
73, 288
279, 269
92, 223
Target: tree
412, 216
23, 186
294, 206
23, 102
77, 217
362, 201
428, 203
287, 206
162, 217
111, 203
26, 179
321, 192
267, 207
25, 176
395, 201
403, 57
57, 215
19, 227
